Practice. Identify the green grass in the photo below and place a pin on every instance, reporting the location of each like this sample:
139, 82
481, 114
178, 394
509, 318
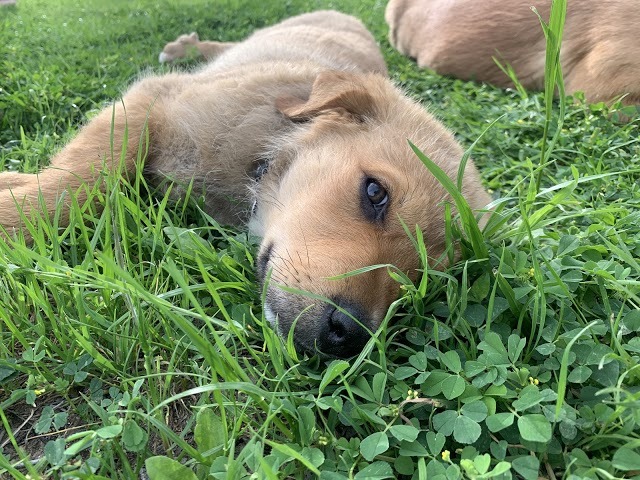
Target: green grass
138, 334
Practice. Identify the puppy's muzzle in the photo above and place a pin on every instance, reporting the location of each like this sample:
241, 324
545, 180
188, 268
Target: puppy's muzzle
339, 328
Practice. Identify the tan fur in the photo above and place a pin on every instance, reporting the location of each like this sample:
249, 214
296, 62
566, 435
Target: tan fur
314, 103
600, 52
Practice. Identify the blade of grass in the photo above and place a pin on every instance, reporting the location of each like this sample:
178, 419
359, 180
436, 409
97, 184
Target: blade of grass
469, 223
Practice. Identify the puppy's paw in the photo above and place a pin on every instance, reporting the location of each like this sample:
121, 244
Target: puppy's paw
178, 48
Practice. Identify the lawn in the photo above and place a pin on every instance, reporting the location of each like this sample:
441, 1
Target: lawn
133, 342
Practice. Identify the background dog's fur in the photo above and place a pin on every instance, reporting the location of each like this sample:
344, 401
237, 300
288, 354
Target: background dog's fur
308, 97
600, 52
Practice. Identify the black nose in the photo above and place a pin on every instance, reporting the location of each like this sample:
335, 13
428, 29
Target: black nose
343, 333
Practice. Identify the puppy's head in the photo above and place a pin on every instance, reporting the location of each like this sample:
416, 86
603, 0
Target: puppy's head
334, 201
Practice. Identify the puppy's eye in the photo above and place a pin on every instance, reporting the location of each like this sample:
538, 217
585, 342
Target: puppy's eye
263, 262
375, 200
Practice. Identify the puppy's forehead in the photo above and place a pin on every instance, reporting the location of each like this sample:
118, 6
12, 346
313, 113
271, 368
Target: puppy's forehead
374, 149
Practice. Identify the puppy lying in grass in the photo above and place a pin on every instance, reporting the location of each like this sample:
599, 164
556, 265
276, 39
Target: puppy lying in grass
600, 53
298, 133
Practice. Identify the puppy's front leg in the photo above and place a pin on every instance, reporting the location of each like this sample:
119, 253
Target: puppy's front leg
13, 179
96, 150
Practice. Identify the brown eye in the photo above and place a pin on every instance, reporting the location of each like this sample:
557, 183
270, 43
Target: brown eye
374, 200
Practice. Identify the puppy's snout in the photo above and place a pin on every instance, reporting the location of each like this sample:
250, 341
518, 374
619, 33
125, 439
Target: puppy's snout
343, 333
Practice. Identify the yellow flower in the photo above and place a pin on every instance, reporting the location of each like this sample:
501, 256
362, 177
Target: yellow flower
40, 391
413, 394
446, 455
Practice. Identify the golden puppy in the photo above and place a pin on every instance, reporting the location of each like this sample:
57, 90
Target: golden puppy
297, 132
600, 53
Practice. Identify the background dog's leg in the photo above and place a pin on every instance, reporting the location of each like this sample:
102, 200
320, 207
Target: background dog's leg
108, 144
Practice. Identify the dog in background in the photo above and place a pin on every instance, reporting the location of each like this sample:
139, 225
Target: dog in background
297, 132
600, 53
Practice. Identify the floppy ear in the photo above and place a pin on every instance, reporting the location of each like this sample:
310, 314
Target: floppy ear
337, 92
194, 36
